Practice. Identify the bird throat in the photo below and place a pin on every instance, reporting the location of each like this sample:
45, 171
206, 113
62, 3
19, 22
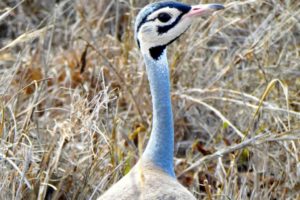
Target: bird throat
161, 143
156, 52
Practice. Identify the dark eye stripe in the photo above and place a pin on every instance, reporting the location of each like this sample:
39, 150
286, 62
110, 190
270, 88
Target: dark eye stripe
164, 29
179, 6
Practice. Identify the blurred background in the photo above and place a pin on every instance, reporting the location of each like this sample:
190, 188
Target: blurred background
75, 106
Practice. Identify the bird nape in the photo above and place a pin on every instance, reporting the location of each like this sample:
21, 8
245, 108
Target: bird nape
158, 25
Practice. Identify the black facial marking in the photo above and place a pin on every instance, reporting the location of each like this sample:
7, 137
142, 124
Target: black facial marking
165, 29
157, 51
138, 43
184, 8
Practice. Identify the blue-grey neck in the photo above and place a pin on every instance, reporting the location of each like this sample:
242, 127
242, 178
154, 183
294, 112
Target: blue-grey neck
161, 144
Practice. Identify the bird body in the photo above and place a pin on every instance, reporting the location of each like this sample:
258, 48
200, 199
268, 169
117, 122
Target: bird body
158, 25
146, 181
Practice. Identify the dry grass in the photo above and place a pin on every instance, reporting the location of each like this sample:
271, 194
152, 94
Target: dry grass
75, 108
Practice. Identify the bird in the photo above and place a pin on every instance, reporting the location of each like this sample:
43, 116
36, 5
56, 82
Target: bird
158, 25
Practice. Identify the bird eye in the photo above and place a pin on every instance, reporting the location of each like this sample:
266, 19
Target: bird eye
164, 17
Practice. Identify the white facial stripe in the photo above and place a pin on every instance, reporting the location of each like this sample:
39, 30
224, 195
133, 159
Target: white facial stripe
150, 38
151, 35
172, 11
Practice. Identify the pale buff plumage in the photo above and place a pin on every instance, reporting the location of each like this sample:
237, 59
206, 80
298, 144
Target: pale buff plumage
147, 182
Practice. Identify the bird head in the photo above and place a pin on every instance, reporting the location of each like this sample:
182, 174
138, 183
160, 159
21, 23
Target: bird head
159, 24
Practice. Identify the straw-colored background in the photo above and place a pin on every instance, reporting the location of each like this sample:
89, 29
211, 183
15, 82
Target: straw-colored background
75, 108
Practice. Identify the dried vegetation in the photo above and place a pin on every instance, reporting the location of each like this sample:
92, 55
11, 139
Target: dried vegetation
75, 108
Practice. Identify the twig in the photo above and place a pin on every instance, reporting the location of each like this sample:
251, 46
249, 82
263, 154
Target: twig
259, 139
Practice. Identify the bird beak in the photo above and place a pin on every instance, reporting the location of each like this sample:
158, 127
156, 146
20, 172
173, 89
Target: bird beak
202, 9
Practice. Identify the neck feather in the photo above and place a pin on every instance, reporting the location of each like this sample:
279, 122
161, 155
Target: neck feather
161, 144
